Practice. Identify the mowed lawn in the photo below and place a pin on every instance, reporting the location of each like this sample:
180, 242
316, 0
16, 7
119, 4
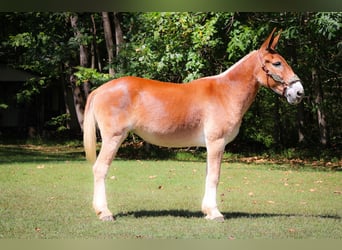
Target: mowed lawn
47, 194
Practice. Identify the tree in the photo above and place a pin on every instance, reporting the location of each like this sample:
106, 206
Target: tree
176, 47
119, 40
320, 35
109, 41
34, 42
80, 91
95, 52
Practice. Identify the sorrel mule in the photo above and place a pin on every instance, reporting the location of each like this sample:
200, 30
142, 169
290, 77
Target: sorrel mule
206, 112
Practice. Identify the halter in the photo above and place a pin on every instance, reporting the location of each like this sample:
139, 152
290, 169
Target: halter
275, 77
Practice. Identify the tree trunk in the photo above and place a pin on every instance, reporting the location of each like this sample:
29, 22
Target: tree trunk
95, 48
92, 46
118, 34
78, 35
293, 45
80, 91
322, 124
65, 97
109, 41
300, 120
277, 136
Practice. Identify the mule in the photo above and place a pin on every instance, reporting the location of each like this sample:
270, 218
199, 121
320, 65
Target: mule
206, 112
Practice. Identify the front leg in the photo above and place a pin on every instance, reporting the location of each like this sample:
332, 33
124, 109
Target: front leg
214, 157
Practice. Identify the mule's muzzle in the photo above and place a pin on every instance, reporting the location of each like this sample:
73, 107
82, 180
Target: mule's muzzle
294, 93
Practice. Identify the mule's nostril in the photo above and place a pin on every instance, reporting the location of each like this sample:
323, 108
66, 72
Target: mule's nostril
299, 93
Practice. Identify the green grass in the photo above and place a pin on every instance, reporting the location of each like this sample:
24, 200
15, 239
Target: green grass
46, 193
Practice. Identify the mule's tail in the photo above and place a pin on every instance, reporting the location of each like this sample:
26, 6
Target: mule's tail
89, 131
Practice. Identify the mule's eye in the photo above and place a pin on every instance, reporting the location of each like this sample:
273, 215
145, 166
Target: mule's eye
276, 64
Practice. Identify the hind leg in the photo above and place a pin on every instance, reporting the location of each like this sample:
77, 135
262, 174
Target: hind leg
108, 151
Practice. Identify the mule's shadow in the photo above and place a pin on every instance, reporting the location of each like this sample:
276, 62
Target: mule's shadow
227, 215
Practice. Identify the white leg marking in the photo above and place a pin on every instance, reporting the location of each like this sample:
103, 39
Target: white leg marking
214, 157
100, 169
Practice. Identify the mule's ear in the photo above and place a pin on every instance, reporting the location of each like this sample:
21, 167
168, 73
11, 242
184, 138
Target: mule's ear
269, 41
275, 41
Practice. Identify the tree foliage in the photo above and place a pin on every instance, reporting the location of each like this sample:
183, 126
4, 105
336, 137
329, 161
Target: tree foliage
183, 46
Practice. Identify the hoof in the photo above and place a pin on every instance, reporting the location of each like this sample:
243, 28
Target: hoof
105, 215
216, 219
107, 218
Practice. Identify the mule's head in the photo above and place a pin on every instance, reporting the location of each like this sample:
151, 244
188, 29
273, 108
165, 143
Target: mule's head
275, 73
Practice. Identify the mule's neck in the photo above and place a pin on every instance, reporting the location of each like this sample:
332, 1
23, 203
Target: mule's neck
241, 82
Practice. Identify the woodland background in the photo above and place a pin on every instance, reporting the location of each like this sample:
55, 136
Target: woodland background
73, 53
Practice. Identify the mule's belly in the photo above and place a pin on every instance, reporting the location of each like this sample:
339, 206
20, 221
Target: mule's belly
176, 139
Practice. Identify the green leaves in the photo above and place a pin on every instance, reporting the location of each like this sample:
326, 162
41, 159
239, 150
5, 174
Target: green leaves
328, 24
242, 39
174, 47
3, 106
31, 88
22, 40
60, 122
90, 75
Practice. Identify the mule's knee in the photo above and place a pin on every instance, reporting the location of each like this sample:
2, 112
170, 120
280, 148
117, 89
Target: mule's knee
100, 171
